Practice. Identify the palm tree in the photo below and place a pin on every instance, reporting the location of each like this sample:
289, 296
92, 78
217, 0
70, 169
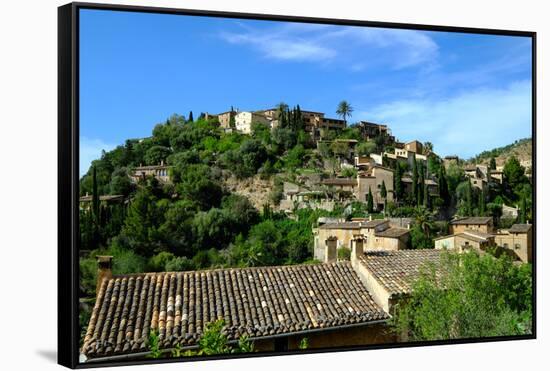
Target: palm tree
425, 220
428, 148
344, 110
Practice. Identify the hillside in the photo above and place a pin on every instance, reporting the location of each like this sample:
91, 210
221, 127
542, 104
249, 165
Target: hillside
522, 149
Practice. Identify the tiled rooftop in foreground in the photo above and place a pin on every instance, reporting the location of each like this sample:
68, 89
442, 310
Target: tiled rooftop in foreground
397, 270
258, 302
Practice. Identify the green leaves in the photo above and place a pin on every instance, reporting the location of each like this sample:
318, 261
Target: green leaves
471, 296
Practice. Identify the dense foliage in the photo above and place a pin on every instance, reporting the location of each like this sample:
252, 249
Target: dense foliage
473, 296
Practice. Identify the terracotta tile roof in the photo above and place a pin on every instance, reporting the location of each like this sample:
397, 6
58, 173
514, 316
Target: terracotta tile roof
374, 223
88, 198
478, 220
340, 181
151, 167
397, 270
479, 234
520, 228
393, 232
344, 225
257, 302
354, 224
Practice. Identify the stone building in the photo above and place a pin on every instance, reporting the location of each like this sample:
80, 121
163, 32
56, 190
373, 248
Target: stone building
475, 223
227, 119
86, 200
478, 234
245, 119
415, 146
372, 130
465, 241
378, 234
518, 241
358, 187
160, 172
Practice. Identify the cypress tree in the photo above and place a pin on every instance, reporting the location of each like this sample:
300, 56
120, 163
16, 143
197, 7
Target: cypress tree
370, 202
421, 185
481, 206
469, 199
443, 187
397, 185
299, 118
95, 196
383, 190
190, 119
414, 181
523, 210
493, 164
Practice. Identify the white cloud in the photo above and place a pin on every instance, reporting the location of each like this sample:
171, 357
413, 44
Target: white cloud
90, 149
355, 47
465, 124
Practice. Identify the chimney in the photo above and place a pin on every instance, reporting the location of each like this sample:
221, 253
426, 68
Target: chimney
357, 248
161, 162
104, 271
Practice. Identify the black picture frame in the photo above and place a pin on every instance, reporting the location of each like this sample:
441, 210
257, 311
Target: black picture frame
68, 173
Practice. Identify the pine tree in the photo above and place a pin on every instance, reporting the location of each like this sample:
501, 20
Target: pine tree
190, 119
370, 202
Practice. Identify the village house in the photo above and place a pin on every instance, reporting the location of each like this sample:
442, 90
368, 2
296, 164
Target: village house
299, 197
379, 234
314, 122
478, 175
227, 120
372, 130
465, 241
450, 160
401, 155
475, 223
276, 307
415, 146
370, 179
245, 119
477, 233
160, 172
518, 240
86, 200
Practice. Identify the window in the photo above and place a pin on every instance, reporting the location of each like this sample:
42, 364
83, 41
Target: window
517, 246
505, 245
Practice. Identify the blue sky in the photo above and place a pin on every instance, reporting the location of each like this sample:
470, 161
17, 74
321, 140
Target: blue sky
465, 93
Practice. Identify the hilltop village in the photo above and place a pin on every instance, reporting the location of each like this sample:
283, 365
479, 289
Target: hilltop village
285, 224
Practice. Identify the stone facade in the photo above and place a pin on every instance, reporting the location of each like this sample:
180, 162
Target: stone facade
226, 119
377, 234
481, 224
245, 119
160, 172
